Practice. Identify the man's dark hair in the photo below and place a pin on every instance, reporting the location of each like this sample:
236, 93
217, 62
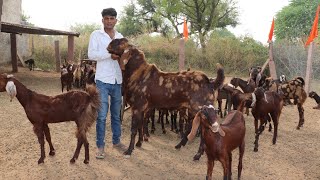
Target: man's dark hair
109, 12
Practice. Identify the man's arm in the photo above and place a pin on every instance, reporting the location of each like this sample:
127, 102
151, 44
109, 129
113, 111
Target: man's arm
93, 51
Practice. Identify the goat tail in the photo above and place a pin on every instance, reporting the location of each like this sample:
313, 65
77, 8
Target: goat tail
94, 96
90, 114
220, 77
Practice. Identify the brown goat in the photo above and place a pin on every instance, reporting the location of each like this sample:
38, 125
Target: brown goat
220, 140
146, 87
247, 87
316, 97
66, 77
78, 106
293, 89
268, 103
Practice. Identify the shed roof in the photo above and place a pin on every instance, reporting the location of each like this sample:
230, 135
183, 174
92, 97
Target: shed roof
23, 29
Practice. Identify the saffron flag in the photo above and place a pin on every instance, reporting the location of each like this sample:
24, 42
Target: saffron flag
185, 30
271, 31
314, 30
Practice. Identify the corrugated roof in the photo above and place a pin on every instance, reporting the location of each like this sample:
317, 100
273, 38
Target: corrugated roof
23, 29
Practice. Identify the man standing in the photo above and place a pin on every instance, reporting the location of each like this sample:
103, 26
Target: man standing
108, 79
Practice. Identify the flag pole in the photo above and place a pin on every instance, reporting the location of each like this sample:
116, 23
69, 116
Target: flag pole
272, 65
309, 64
312, 36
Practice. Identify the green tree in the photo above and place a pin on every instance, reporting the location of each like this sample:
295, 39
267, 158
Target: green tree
294, 21
207, 15
25, 18
84, 28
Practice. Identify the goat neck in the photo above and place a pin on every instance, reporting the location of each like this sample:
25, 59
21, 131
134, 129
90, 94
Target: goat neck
23, 93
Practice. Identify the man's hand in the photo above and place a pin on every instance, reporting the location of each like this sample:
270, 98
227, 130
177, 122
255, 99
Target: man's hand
115, 57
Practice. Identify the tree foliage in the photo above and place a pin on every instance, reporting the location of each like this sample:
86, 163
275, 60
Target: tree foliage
294, 21
84, 28
207, 15
166, 16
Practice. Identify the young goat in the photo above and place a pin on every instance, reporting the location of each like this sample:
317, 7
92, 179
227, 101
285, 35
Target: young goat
78, 106
220, 140
316, 97
30, 63
264, 105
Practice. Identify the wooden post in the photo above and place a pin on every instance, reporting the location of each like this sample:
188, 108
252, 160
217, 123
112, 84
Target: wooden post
70, 48
57, 55
272, 66
14, 61
1, 2
309, 66
181, 54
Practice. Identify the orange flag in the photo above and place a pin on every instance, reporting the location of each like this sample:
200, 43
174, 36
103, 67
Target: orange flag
185, 30
271, 31
314, 30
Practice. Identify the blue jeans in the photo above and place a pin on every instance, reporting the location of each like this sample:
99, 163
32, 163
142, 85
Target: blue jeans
114, 91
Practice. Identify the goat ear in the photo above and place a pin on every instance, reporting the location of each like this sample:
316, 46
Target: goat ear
195, 126
221, 132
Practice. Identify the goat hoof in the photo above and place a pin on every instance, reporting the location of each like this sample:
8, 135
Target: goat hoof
52, 153
255, 149
86, 161
40, 161
164, 132
127, 153
178, 146
197, 157
72, 161
152, 131
138, 144
298, 127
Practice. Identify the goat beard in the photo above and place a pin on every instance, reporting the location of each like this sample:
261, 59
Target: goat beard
11, 90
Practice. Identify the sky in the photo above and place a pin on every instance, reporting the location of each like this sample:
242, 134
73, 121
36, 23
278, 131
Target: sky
255, 15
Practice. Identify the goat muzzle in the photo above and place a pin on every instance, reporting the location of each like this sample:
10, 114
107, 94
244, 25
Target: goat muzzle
215, 127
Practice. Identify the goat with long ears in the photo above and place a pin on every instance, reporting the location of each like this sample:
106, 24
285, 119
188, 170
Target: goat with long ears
221, 139
78, 106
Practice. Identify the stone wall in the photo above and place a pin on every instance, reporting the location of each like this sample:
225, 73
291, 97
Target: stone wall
11, 12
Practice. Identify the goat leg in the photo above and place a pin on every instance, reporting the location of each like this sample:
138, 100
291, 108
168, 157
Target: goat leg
86, 151
134, 127
301, 115
140, 139
48, 138
200, 150
241, 152
209, 169
40, 134
77, 151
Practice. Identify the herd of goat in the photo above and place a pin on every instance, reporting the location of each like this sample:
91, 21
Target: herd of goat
189, 95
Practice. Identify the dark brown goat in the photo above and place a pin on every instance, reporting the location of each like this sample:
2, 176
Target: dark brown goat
293, 89
146, 87
220, 141
78, 106
66, 77
316, 97
247, 87
268, 103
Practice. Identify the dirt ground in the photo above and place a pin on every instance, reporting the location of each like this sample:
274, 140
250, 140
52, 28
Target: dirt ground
295, 156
